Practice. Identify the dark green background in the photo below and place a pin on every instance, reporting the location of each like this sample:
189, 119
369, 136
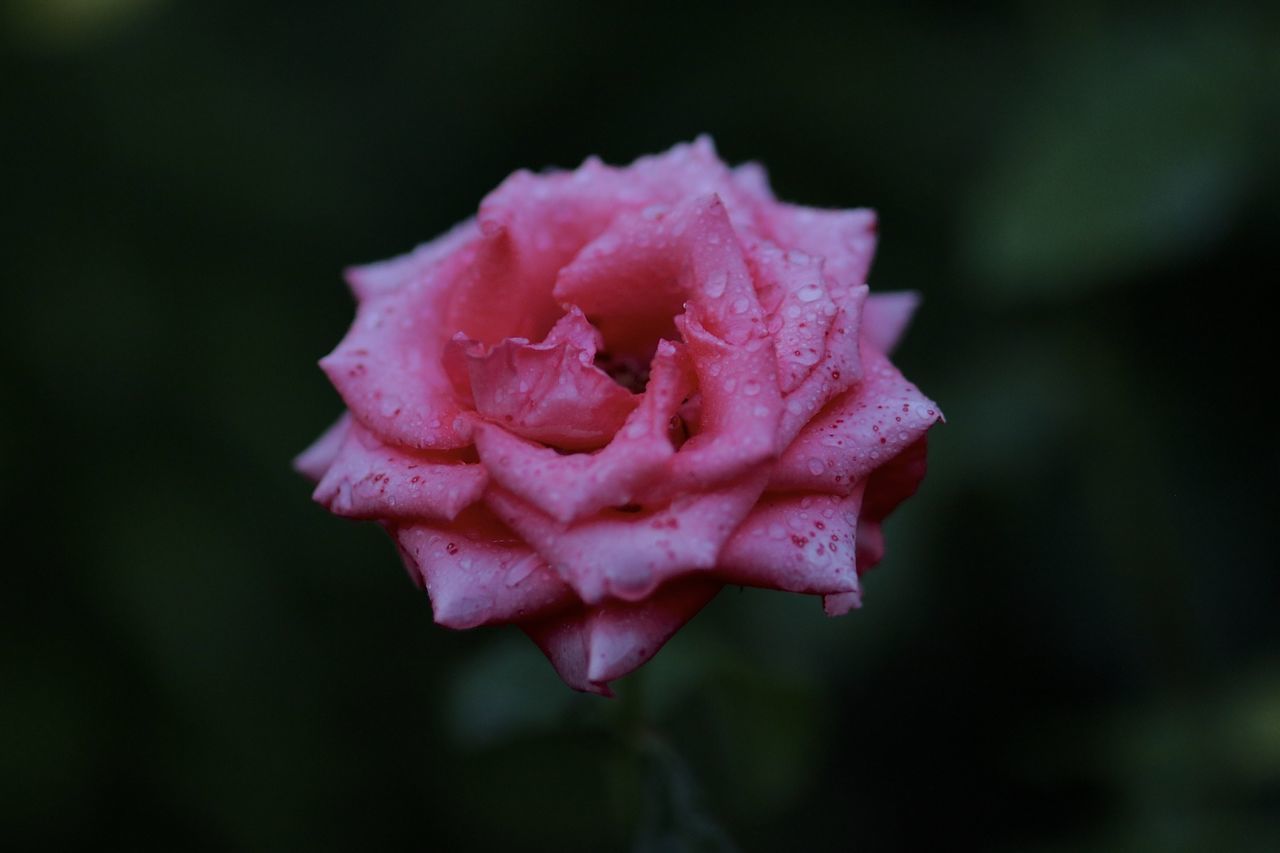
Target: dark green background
1073, 644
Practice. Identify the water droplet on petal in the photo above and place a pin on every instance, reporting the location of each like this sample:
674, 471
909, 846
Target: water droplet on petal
811, 292
715, 284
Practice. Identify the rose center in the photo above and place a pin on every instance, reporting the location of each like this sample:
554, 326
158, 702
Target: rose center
631, 372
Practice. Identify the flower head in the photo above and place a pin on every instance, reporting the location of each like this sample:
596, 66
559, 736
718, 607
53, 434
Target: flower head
615, 391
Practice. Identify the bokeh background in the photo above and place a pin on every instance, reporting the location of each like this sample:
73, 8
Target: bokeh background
1073, 644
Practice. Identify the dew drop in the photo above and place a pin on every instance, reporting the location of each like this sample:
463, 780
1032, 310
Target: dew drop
809, 293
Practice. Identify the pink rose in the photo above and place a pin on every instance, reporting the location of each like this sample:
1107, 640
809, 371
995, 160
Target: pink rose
615, 391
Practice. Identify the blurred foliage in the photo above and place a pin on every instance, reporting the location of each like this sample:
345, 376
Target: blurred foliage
1073, 643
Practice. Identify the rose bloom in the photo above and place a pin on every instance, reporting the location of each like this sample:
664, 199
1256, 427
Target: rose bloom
616, 390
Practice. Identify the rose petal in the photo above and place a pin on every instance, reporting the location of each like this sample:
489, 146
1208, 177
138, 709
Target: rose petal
568, 487
844, 239
502, 293
796, 543
593, 647
551, 216
547, 218
839, 370
477, 573
870, 544
550, 392
633, 280
888, 486
388, 367
752, 181
841, 603
886, 316
862, 430
798, 308
627, 555
370, 479
738, 413
316, 459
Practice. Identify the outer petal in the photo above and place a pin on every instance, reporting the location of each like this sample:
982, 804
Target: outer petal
796, 543
841, 603
316, 459
886, 316
858, 433
845, 239
627, 555
798, 307
388, 367
887, 487
369, 479
839, 370
477, 574
568, 487
593, 647
550, 392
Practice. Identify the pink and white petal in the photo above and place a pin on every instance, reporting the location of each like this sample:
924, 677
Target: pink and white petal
628, 554
844, 239
569, 487
886, 316
316, 459
591, 648
861, 431
476, 574
388, 367
796, 543
839, 370
552, 393
373, 480
798, 309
